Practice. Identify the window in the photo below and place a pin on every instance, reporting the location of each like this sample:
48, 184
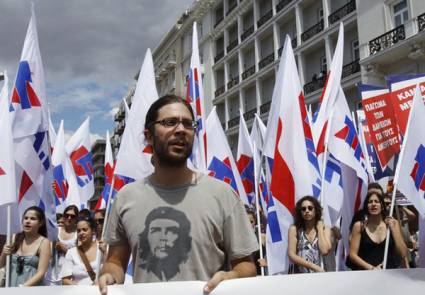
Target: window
355, 53
323, 65
320, 14
401, 13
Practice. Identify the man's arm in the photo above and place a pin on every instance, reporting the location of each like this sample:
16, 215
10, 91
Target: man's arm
113, 271
241, 268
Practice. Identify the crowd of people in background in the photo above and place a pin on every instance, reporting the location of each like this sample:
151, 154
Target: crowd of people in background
75, 257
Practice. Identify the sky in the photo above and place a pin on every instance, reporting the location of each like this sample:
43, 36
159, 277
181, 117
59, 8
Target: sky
91, 51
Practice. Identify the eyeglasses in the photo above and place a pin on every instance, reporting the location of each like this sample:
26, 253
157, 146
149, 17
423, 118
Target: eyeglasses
20, 264
174, 122
99, 221
69, 216
309, 208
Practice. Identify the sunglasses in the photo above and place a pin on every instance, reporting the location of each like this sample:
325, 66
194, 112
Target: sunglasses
69, 216
20, 264
99, 221
309, 208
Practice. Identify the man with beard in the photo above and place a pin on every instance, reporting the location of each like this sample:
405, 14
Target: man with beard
151, 216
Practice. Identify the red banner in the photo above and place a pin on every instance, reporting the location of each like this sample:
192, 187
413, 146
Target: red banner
402, 96
382, 126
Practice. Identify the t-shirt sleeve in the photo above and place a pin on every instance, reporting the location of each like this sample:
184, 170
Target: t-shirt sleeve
239, 237
68, 264
115, 234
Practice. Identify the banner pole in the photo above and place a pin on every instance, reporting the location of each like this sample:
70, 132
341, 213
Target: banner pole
8, 241
257, 205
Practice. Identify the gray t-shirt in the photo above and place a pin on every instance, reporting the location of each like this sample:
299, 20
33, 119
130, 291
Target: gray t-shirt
181, 234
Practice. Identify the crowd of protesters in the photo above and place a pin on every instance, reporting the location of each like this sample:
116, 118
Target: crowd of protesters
75, 257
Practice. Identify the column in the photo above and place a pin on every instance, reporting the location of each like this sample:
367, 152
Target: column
298, 22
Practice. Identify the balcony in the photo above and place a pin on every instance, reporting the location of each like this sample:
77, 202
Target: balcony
312, 31
315, 84
232, 45
266, 61
341, 12
219, 91
250, 114
282, 5
351, 68
233, 122
119, 115
265, 107
387, 40
231, 7
247, 32
421, 22
218, 21
265, 18
219, 56
248, 72
232, 82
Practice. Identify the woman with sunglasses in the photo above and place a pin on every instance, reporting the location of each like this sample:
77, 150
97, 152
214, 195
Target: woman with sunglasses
67, 237
308, 238
368, 238
99, 220
30, 251
80, 264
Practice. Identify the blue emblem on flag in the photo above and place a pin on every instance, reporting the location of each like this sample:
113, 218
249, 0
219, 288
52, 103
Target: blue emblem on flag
418, 171
222, 171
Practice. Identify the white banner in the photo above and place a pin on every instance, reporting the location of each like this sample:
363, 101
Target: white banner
400, 281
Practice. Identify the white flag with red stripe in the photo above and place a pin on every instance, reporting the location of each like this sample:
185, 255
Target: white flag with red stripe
109, 173
195, 95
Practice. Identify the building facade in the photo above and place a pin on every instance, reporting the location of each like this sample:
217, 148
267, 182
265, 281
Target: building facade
98, 152
240, 42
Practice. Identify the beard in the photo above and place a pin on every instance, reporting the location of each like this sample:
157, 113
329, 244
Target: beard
168, 159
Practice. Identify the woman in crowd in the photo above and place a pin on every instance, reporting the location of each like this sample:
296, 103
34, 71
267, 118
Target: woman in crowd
368, 238
80, 264
30, 251
309, 239
67, 237
99, 220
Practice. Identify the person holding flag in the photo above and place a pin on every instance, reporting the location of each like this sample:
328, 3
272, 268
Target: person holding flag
177, 224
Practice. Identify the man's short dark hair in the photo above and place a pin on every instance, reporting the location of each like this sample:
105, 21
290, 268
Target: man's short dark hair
152, 114
375, 185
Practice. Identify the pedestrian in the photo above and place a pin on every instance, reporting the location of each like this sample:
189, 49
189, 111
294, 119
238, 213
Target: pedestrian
309, 240
367, 244
30, 251
177, 224
80, 264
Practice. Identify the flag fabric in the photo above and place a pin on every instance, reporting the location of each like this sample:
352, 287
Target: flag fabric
363, 131
195, 95
126, 110
134, 156
258, 135
220, 161
78, 149
293, 173
410, 172
7, 164
65, 186
28, 108
245, 160
109, 173
329, 96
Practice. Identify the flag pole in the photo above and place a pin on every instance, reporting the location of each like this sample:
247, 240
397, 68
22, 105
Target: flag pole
105, 223
257, 205
396, 177
8, 240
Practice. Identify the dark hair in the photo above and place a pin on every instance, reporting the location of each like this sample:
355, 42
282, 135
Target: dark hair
89, 221
41, 231
84, 213
299, 220
375, 185
152, 114
101, 211
73, 208
381, 201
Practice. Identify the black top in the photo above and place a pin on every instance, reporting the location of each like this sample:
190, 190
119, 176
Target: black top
373, 253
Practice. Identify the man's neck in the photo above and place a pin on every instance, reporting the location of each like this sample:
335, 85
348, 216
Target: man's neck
172, 177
